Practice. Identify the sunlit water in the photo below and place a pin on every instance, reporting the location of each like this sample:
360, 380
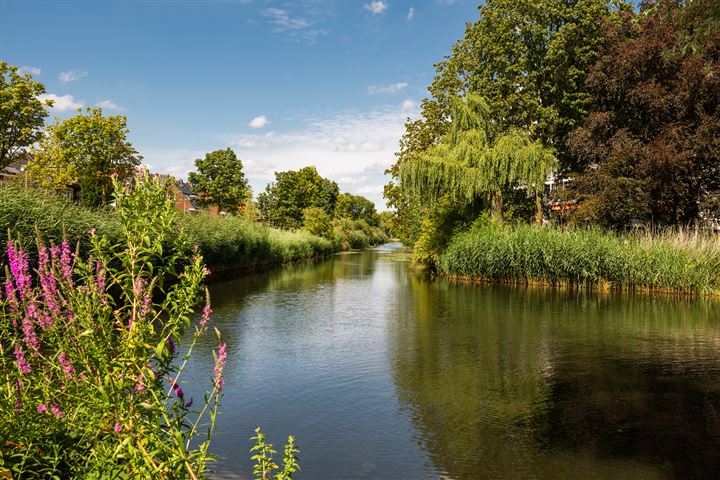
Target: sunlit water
382, 373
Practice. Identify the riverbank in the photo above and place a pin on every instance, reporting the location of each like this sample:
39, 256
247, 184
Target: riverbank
588, 258
227, 243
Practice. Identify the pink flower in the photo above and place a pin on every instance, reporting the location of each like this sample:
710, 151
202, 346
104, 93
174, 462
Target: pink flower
218, 379
42, 408
92, 231
118, 427
205, 316
66, 365
55, 410
20, 361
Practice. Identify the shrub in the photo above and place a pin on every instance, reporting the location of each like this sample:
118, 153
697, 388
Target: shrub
88, 350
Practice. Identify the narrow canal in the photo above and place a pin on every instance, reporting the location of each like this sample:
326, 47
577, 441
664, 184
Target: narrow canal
382, 373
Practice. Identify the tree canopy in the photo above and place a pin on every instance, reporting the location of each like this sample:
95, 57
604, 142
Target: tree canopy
651, 142
220, 180
356, 207
87, 149
293, 191
22, 112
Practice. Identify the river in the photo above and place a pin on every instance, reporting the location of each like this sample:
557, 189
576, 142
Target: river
383, 373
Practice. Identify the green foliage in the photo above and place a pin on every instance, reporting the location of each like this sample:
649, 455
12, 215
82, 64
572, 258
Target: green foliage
528, 59
356, 207
283, 201
22, 112
220, 180
89, 149
356, 234
263, 457
649, 146
673, 262
90, 370
234, 242
317, 222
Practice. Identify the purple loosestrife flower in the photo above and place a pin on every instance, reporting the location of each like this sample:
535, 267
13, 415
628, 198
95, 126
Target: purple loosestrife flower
48, 283
139, 386
66, 365
100, 276
172, 348
42, 408
205, 316
42, 318
177, 389
218, 379
20, 361
66, 261
145, 307
29, 332
12, 301
19, 269
118, 427
55, 410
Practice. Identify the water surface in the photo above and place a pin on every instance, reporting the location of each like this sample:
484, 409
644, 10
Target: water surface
383, 373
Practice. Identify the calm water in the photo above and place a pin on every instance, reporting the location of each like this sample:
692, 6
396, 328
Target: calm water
381, 373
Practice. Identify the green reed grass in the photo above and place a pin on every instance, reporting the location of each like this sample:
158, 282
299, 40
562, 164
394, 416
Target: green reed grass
674, 261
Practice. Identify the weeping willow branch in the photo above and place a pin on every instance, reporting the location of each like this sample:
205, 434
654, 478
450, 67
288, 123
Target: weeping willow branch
473, 160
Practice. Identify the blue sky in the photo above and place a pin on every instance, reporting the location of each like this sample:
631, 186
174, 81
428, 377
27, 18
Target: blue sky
286, 84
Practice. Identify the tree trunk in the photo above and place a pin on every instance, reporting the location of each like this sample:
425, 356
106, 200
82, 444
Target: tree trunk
538, 209
496, 206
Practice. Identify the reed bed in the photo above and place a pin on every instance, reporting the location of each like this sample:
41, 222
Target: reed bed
676, 261
226, 243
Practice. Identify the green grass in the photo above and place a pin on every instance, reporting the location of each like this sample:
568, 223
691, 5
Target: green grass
226, 243
678, 262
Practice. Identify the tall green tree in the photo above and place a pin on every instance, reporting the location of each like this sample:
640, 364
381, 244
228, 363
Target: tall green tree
651, 143
22, 113
528, 59
87, 149
293, 191
221, 181
356, 207
475, 160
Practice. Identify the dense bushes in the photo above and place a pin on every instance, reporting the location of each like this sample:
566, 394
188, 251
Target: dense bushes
230, 242
674, 262
89, 353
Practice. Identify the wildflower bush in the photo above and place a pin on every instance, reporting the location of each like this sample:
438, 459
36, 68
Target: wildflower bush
89, 352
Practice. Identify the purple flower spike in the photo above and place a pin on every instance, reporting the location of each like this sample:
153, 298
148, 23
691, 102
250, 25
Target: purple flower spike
205, 316
66, 261
66, 365
218, 379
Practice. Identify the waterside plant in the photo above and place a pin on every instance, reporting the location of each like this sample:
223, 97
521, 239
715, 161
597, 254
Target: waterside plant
91, 374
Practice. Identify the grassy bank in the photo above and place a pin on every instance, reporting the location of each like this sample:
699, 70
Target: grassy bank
674, 262
226, 243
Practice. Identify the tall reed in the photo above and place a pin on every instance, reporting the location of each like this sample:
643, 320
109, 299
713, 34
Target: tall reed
674, 261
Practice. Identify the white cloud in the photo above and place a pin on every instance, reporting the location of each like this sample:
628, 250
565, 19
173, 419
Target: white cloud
296, 28
108, 105
62, 103
408, 105
72, 75
258, 122
352, 148
392, 88
31, 70
376, 7
410, 14
370, 190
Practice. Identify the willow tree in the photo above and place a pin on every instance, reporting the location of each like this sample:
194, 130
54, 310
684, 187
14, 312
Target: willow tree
474, 159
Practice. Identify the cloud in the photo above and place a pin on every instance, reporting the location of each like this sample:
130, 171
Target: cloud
259, 122
72, 75
370, 189
31, 70
62, 103
108, 105
296, 28
352, 148
408, 105
392, 88
410, 14
376, 7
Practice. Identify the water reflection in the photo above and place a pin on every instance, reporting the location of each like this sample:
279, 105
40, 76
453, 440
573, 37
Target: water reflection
382, 373
530, 383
